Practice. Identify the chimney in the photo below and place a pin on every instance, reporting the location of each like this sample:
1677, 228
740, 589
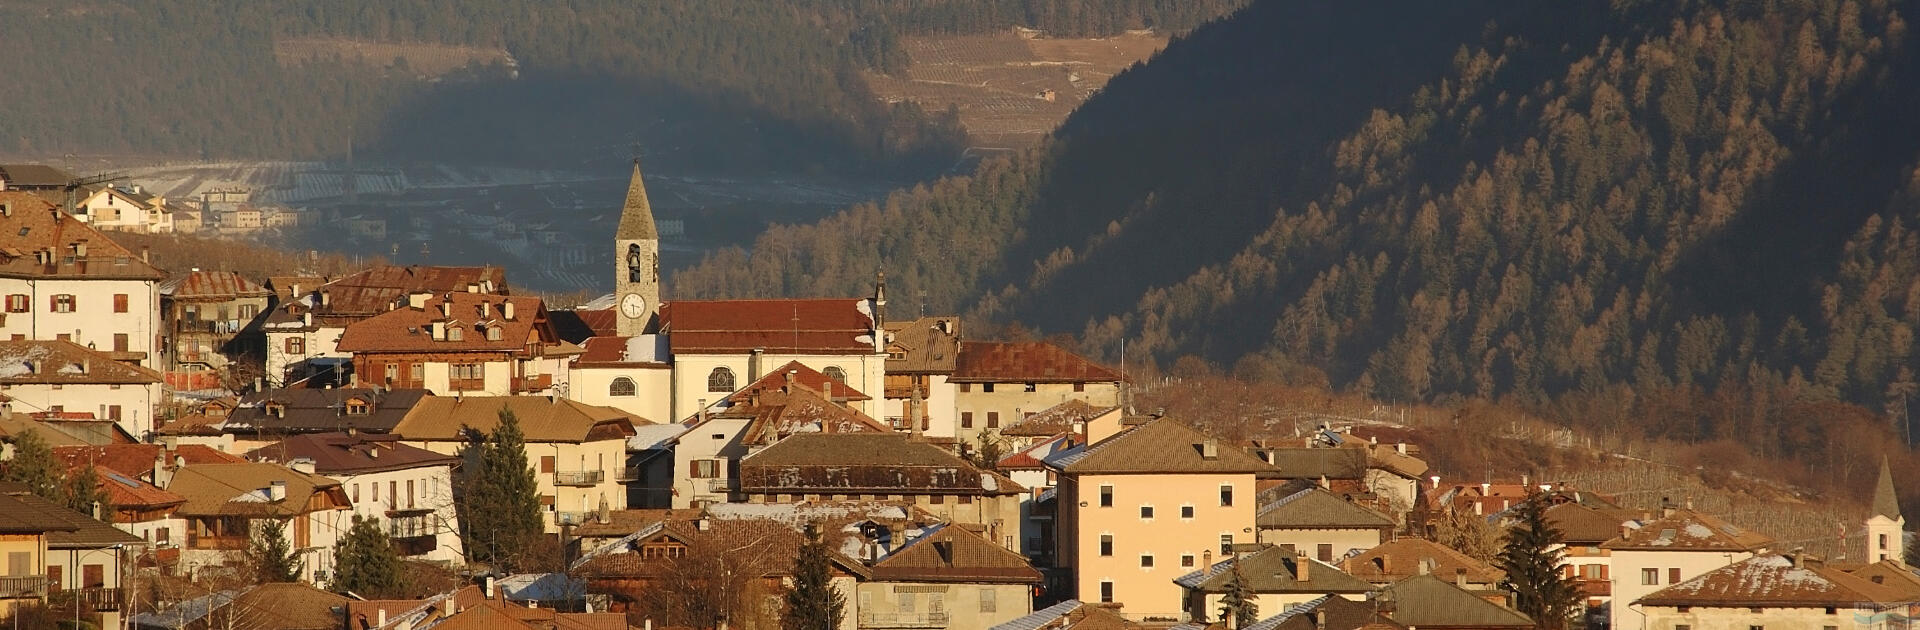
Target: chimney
506, 309
1526, 480
162, 476
605, 513
703, 411
277, 490
1302, 568
1210, 449
914, 409
1486, 489
1460, 577
792, 376
1206, 560
486, 310
1436, 482
326, 298
1400, 447
1426, 566
146, 254
304, 465
753, 364
486, 586
446, 307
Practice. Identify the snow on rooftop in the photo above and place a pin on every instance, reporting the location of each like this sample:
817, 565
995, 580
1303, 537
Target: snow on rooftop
799, 514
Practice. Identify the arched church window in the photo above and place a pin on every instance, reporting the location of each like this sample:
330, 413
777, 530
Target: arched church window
720, 380
635, 264
622, 386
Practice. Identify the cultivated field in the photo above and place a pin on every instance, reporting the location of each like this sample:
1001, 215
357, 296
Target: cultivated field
1011, 89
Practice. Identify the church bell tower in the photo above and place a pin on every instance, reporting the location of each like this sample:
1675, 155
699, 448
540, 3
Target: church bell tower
636, 261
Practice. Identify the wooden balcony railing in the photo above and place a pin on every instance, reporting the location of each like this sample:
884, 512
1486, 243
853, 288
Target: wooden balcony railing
903, 619
14, 586
578, 477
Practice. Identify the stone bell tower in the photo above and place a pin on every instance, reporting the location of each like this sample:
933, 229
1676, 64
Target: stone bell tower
636, 261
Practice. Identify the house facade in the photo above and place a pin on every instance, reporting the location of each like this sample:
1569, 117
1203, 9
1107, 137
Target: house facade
64, 377
1144, 506
314, 511
63, 280
211, 318
999, 384
854, 466
407, 490
1680, 545
578, 451
460, 343
303, 331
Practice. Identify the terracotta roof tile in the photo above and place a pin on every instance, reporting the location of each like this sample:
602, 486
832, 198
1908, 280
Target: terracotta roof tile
806, 377
614, 350
578, 325
1058, 419
1687, 530
1275, 570
1424, 601
1773, 580
776, 415
350, 454
240, 490
824, 326
1317, 508
865, 463
470, 314
928, 345
1579, 524
1401, 558
32, 224
307, 410
1027, 361
136, 460
211, 285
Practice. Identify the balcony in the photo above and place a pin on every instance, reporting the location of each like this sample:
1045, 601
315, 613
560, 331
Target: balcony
902, 620
218, 542
14, 586
532, 384
571, 518
718, 485
416, 545
626, 474
579, 477
96, 599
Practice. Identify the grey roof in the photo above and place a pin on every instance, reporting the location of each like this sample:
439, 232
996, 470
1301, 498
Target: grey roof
1274, 570
1040, 617
656, 436
1424, 600
184, 613
1159, 446
1317, 508
636, 217
33, 176
1314, 463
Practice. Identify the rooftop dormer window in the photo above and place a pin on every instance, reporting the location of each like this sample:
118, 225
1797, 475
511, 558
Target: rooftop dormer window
357, 407
454, 333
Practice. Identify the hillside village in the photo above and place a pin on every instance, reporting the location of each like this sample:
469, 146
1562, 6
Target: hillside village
684, 454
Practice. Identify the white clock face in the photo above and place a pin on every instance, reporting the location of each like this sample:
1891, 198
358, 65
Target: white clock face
633, 305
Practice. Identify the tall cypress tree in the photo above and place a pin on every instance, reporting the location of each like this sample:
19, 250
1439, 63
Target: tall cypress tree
365, 562
272, 558
1237, 606
1531, 560
813, 603
498, 499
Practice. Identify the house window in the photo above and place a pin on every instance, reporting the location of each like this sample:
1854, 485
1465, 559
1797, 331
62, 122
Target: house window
1226, 544
1186, 561
121, 342
465, 372
1106, 495
706, 468
621, 386
834, 372
1146, 561
1324, 552
62, 302
113, 413
1673, 575
966, 387
1649, 577
393, 372
993, 419
1079, 387
1032, 387
986, 387
1106, 545
1226, 495
1683, 626
720, 380
1186, 511
119, 302
1883, 541
1146, 512
988, 602
17, 303
966, 419
1106, 592
493, 333
938, 499
454, 334
357, 407
296, 345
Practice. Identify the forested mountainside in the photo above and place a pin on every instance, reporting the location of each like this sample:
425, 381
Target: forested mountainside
732, 84
1690, 219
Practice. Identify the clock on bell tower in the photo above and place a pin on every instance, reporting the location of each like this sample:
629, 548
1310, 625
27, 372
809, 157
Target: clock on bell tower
636, 263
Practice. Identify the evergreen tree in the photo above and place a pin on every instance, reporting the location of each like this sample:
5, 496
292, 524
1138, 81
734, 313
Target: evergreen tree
272, 558
499, 502
813, 603
33, 465
987, 456
365, 562
82, 493
1531, 561
1237, 606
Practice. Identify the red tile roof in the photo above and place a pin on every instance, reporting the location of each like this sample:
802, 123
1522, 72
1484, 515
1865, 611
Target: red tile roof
68, 363
1028, 361
211, 285
615, 350
578, 325
410, 329
1687, 530
32, 224
136, 460
809, 326
776, 380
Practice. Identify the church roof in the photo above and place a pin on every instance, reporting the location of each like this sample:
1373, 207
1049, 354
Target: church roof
1886, 502
636, 217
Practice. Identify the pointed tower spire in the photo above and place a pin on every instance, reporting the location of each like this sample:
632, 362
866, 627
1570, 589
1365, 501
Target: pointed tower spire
636, 217
1886, 502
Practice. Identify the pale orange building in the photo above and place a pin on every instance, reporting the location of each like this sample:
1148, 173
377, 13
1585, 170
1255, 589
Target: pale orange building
1147, 505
